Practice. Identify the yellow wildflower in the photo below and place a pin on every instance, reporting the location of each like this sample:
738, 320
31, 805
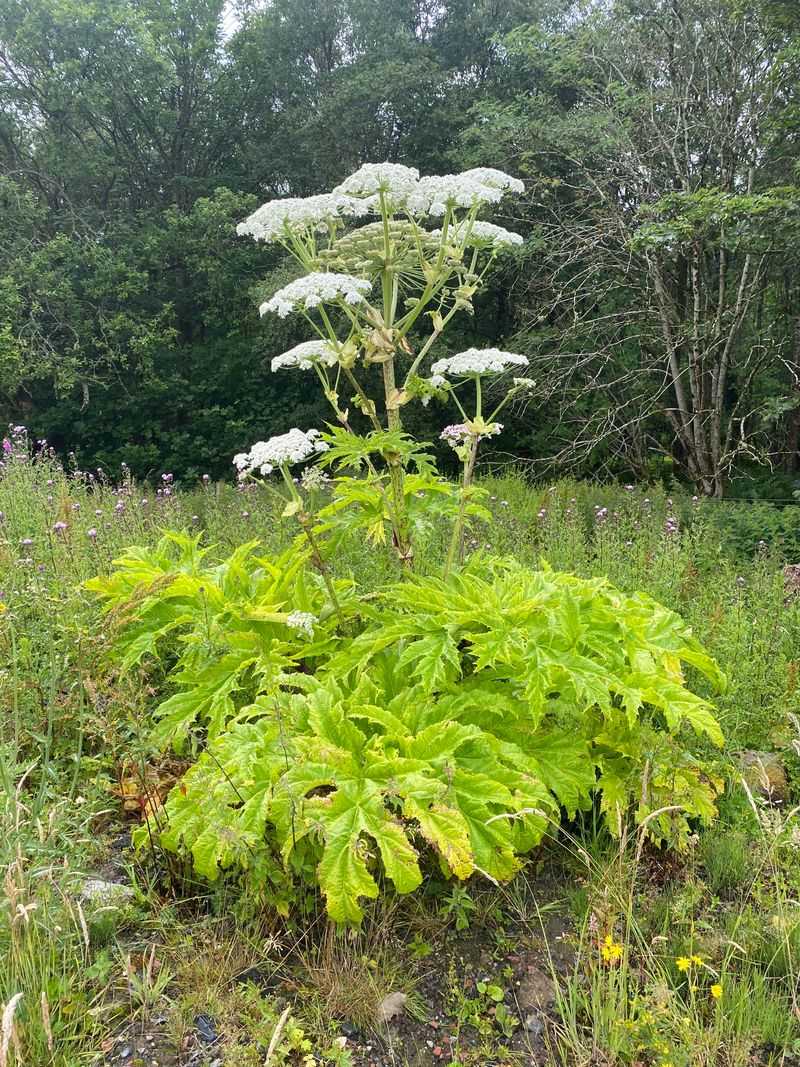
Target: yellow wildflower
683, 963
697, 960
716, 991
610, 950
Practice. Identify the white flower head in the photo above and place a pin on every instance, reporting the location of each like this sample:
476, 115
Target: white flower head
397, 183
305, 355
524, 385
481, 235
303, 621
457, 434
454, 435
439, 191
280, 218
296, 446
498, 178
314, 479
315, 289
475, 362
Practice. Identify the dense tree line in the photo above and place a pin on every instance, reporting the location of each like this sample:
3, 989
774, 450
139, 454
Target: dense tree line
657, 293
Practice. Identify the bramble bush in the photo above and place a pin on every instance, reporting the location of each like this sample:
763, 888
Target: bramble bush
339, 735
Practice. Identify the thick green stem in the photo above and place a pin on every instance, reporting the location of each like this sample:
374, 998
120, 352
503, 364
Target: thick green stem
305, 520
424, 350
366, 404
319, 563
455, 553
402, 531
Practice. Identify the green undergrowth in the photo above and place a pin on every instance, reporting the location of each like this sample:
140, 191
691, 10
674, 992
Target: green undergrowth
78, 757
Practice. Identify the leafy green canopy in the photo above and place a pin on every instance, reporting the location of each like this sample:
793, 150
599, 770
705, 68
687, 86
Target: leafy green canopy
449, 719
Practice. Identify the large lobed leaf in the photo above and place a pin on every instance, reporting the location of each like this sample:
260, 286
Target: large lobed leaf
458, 722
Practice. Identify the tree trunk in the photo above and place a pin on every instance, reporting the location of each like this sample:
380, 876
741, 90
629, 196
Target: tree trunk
793, 432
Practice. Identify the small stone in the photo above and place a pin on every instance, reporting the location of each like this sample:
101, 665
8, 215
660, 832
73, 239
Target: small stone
103, 894
535, 992
126, 1053
533, 1024
392, 1005
349, 1030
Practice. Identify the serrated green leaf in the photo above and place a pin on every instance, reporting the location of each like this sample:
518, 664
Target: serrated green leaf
564, 765
447, 830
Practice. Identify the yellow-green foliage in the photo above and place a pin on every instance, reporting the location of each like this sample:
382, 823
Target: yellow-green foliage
456, 717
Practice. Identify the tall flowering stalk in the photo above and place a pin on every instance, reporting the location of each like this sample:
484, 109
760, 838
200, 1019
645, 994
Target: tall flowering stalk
474, 366
389, 257
279, 454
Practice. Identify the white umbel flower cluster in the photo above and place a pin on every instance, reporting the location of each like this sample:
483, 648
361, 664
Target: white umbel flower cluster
398, 183
305, 355
440, 191
498, 178
360, 194
403, 188
315, 289
524, 385
475, 362
296, 446
278, 219
481, 234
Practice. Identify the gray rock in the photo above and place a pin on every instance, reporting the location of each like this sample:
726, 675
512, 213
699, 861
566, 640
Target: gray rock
764, 773
535, 991
534, 1025
391, 1006
102, 894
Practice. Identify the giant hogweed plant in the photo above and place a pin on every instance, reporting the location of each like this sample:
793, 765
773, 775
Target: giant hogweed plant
346, 737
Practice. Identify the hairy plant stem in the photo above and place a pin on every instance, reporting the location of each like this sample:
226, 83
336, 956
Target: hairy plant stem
389, 288
402, 532
306, 519
455, 552
367, 407
319, 563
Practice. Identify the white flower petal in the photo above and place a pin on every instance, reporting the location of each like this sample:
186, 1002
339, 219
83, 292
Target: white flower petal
397, 183
315, 289
498, 178
439, 191
475, 362
480, 234
305, 355
296, 446
277, 218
